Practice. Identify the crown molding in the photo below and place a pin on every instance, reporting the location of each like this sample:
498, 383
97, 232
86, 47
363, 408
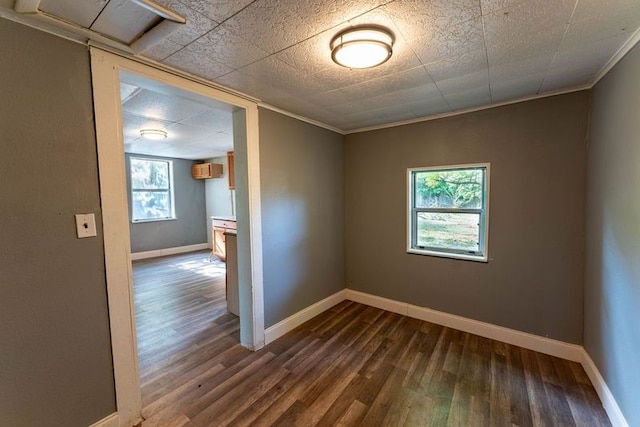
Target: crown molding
470, 110
624, 49
301, 118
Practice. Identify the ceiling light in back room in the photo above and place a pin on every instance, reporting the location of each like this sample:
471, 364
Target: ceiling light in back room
153, 134
362, 47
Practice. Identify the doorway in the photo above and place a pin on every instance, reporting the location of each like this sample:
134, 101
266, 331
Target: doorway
178, 149
106, 72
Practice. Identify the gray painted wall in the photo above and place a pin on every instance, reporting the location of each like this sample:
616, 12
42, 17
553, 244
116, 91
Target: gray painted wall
55, 357
612, 293
533, 281
190, 225
302, 179
219, 199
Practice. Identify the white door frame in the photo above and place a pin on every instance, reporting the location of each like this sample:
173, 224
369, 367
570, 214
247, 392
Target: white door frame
106, 69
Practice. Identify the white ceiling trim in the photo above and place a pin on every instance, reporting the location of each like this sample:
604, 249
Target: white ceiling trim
301, 118
470, 110
624, 49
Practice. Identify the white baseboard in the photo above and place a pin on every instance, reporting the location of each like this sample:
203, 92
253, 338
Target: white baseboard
108, 421
169, 251
510, 336
606, 397
274, 332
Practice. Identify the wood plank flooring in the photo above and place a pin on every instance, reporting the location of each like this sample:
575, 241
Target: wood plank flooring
352, 365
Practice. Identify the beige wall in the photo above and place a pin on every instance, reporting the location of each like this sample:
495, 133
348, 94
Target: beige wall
55, 350
533, 281
302, 179
612, 293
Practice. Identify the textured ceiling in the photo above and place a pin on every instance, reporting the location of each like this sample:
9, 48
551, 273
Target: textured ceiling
449, 55
197, 127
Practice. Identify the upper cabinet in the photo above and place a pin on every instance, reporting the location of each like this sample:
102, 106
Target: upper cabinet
206, 170
232, 180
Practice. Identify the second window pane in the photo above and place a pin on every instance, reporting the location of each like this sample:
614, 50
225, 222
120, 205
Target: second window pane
457, 231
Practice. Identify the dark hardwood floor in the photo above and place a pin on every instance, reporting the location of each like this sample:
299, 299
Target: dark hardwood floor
352, 365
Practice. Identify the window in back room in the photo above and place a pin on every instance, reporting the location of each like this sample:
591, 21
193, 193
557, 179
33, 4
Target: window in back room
151, 190
448, 211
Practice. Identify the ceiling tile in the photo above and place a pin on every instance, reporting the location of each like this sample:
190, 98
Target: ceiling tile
82, 13
213, 119
600, 28
446, 41
578, 66
429, 106
528, 85
243, 83
537, 65
527, 19
273, 72
162, 107
525, 48
385, 115
199, 65
491, 6
460, 65
274, 28
415, 78
126, 91
124, 20
467, 99
419, 16
526, 29
464, 82
278, 24
217, 10
603, 11
399, 97
179, 133
196, 25
161, 50
224, 47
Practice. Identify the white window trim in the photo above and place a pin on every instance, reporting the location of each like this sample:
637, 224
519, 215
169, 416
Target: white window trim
484, 225
172, 195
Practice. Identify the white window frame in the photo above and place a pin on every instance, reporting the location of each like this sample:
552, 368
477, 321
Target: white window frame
172, 200
412, 211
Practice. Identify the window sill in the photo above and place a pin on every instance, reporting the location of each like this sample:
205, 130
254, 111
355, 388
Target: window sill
476, 258
142, 221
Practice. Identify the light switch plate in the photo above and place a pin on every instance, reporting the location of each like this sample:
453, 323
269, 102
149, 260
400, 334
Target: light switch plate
86, 225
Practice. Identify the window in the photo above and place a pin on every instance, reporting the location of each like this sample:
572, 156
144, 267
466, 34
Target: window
448, 211
151, 190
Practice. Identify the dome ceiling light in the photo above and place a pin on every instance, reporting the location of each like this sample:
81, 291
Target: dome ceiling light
362, 47
153, 134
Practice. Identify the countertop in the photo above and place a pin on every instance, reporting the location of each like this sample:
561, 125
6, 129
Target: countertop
224, 218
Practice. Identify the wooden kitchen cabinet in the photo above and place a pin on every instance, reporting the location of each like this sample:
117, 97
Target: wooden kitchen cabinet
219, 227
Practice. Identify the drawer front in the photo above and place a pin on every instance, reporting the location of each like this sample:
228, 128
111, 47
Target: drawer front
220, 223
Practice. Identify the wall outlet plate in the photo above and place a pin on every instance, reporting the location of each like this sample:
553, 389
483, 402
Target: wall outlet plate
85, 225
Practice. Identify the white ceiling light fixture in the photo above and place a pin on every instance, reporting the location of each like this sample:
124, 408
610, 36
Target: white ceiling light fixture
153, 134
362, 47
